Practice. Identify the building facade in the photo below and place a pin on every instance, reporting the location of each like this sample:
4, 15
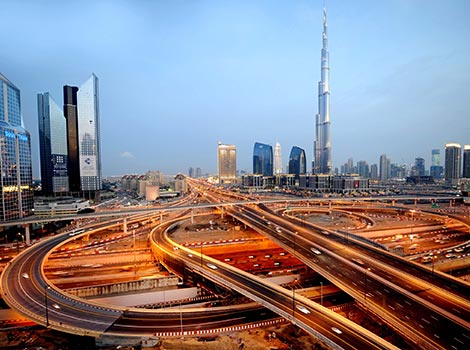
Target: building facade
453, 161
227, 163
466, 162
277, 159
81, 110
322, 143
52, 146
16, 178
297, 162
436, 170
263, 159
384, 170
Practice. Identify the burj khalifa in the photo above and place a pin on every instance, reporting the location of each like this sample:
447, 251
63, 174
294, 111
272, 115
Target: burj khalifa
322, 144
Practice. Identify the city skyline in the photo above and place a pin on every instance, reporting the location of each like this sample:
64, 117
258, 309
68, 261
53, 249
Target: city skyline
247, 72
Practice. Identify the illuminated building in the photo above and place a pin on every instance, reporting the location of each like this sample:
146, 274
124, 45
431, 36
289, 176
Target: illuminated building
227, 163
52, 146
263, 159
15, 156
322, 144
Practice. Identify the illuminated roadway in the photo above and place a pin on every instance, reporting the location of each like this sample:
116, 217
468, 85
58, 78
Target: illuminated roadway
440, 319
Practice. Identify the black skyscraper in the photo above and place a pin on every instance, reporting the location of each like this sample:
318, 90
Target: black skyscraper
71, 115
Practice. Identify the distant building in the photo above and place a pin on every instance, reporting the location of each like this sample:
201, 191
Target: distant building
397, 171
374, 172
181, 184
277, 159
227, 163
466, 162
419, 168
16, 178
363, 169
52, 146
263, 159
297, 162
384, 167
81, 110
436, 170
453, 161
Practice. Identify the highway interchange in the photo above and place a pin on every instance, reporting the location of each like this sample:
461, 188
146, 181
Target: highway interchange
407, 296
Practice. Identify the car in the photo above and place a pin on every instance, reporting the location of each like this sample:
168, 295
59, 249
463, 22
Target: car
267, 256
190, 255
251, 257
336, 330
212, 266
316, 251
227, 259
303, 309
56, 306
25, 275
278, 229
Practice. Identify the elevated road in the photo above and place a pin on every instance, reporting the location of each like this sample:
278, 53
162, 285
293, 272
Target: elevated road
394, 296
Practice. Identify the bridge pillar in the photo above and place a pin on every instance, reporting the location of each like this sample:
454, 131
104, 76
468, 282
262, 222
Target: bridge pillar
161, 218
27, 234
222, 213
192, 217
124, 225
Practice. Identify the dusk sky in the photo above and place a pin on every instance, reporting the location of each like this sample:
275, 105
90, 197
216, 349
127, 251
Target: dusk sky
176, 77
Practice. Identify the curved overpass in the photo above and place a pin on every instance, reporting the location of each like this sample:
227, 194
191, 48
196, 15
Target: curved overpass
25, 288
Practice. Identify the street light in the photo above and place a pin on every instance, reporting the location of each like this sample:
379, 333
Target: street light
365, 284
181, 321
293, 299
46, 287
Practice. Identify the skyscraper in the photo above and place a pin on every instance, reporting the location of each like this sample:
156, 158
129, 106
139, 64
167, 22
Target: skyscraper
52, 146
81, 110
227, 163
384, 168
297, 162
16, 177
322, 144
263, 159
71, 117
436, 169
277, 159
453, 160
89, 135
466, 162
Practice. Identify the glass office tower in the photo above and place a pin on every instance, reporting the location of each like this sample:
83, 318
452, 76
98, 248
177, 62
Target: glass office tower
16, 176
89, 135
52, 146
297, 161
263, 159
81, 110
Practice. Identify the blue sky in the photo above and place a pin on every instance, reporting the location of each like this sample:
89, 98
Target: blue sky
176, 77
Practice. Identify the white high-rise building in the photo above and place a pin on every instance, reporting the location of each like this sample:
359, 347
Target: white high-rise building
322, 143
277, 159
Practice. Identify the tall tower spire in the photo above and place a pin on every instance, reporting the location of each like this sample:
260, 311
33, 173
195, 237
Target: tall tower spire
322, 144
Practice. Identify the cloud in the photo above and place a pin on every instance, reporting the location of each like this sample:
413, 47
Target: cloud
127, 154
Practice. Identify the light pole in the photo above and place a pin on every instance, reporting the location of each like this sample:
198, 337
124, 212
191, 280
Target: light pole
135, 267
181, 321
46, 287
293, 299
365, 284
